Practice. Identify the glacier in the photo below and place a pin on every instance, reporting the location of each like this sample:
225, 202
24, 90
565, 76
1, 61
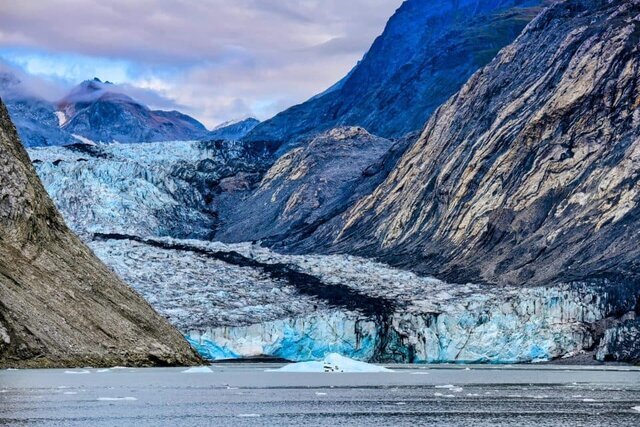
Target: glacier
241, 310
146, 189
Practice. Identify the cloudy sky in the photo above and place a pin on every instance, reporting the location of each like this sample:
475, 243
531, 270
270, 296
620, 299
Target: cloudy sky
214, 59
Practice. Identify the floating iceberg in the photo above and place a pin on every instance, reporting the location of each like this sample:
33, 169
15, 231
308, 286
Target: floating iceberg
198, 370
333, 363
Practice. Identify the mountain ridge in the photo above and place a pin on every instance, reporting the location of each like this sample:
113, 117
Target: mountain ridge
60, 306
392, 92
102, 112
521, 180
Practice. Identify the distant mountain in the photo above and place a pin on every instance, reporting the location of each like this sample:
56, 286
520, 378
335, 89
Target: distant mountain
426, 53
100, 112
233, 130
34, 117
60, 306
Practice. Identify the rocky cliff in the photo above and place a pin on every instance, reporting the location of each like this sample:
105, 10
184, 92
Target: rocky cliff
529, 174
59, 305
425, 54
308, 186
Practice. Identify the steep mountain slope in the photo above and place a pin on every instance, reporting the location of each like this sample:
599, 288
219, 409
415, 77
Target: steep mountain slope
309, 185
99, 112
34, 117
59, 305
528, 175
426, 53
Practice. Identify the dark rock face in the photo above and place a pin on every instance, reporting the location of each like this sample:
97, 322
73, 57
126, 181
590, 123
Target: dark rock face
621, 343
308, 186
427, 52
528, 175
59, 305
99, 113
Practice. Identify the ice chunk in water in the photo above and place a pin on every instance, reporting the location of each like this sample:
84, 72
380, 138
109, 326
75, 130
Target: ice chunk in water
198, 370
333, 363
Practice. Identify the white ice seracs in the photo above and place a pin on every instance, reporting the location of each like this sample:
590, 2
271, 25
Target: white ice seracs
143, 189
229, 311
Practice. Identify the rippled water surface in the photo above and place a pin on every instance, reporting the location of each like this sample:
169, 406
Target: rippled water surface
249, 395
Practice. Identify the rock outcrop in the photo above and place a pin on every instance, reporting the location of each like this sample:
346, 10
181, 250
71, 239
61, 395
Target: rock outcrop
529, 174
59, 305
308, 186
427, 51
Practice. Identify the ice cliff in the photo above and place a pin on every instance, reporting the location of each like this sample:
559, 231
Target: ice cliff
242, 300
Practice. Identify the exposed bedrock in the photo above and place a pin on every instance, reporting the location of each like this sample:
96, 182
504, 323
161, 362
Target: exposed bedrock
528, 175
59, 305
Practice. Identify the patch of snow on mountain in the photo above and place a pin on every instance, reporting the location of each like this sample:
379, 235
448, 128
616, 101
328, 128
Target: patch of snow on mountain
82, 139
62, 119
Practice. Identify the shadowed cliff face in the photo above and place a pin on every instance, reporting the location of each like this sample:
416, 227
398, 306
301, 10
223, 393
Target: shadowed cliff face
530, 173
426, 53
59, 305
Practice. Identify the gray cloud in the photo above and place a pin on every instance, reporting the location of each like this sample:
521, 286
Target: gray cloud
219, 57
23, 84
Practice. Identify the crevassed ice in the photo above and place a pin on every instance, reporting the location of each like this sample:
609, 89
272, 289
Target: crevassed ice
231, 312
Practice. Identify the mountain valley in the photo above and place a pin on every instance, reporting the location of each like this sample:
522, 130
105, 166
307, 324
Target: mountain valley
467, 194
